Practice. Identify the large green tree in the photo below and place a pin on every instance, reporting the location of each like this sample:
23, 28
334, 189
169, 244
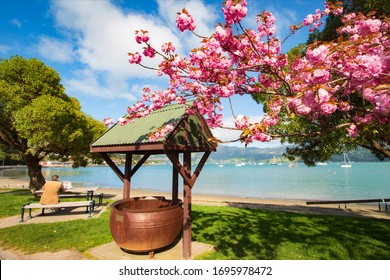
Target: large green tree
38, 119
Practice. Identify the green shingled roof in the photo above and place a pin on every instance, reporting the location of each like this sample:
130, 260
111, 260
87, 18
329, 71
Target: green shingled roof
189, 130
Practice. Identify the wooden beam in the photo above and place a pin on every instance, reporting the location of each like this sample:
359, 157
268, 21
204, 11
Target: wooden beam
200, 166
187, 220
173, 157
175, 184
113, 166
127, 179
188, 182
139, 164
184, 171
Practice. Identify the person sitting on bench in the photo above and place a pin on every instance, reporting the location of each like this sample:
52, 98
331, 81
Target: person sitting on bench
51, 190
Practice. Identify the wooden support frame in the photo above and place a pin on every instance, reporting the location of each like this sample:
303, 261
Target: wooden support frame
129, 171
175, 183
188, 182
191, 134
186, 172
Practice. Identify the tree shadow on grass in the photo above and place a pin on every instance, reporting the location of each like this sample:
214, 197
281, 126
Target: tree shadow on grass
261, 234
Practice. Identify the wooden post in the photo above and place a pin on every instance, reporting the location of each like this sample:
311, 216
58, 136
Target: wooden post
175, 183
187, 222
127, 180
188, 182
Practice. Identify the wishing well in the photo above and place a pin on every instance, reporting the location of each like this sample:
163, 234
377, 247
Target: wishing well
146, 224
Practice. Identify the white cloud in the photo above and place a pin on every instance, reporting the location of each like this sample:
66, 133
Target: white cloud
54, 49
205, 17
98, 84
16, 22
102, 34
284, 19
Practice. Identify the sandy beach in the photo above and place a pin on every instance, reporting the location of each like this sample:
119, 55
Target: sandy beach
114, 193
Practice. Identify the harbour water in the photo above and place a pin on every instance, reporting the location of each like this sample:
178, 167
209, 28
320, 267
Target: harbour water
362, 181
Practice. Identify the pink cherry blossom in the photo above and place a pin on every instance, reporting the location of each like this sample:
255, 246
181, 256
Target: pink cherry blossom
234, 11
241, 122
185, 21
270, 120
168, 47
149, 52
321, 76
327, 108
328, 79
122, 121
369, 26
141, 36
160, 133
308, 20
135, 58
261, 136
108, 121
353, 131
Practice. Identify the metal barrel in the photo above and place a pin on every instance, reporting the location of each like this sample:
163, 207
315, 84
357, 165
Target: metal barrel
145, 224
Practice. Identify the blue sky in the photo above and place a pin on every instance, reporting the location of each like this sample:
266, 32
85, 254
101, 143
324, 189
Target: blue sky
87, 42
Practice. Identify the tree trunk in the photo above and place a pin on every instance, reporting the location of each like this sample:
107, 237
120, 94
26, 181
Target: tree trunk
34, 172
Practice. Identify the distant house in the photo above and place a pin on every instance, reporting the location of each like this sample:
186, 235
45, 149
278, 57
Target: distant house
55, 164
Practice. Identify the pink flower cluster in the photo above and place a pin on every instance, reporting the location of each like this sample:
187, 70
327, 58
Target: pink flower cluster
234, 11
254, 131
185, 21
328, 79
314, 20
108, 121
160, 133
266, 24
135, 58
141, 36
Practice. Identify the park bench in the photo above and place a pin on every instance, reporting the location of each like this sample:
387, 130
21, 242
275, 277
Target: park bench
89, 195
89, 204
345, 202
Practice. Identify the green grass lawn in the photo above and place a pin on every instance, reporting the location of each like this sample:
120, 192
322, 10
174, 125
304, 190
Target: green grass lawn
260, 234
235, 233
12, 199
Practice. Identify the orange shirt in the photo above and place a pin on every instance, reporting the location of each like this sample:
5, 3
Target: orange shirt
50, 192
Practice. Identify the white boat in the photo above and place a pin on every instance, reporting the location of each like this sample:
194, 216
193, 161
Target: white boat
321, 163
346, 163
291, 165
239, 164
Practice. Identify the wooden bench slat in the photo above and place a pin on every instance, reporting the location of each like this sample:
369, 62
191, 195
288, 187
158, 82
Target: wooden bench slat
377, 200
90, 204
61, 204
89, 195
344, 201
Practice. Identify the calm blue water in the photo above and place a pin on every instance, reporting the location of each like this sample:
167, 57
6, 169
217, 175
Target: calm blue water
363, 180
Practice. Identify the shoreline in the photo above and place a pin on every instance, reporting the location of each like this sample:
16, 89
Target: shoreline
203, 199
220, 200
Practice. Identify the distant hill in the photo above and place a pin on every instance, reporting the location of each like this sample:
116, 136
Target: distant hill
253, 154
231, 154
250, 154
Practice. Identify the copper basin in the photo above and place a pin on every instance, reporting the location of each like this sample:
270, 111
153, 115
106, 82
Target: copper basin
145, 224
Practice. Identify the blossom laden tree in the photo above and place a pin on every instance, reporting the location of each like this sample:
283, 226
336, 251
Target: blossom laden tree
348, 77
